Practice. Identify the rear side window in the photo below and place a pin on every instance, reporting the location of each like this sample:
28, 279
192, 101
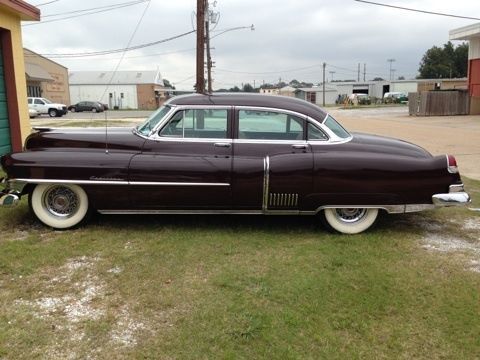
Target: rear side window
269, 125
315, 133
29, 101
336, 128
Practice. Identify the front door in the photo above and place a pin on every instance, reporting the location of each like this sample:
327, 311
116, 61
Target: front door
273, 163
187, 164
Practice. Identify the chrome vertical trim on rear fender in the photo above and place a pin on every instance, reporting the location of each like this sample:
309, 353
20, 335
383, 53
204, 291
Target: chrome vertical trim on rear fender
266, 180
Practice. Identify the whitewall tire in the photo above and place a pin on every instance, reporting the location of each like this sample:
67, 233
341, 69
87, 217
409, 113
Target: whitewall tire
60, 206
350, 220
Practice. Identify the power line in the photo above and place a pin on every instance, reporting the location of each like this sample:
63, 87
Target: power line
417, 10
46, 3
87, 13
268, 72
107, 52
95, 8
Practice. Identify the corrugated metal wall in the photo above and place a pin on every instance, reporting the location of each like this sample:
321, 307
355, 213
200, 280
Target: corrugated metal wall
5, 142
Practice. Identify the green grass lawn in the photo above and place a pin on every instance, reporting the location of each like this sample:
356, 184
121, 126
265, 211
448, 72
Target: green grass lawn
203, 287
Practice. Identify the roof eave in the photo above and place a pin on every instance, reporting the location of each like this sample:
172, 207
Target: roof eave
26, 11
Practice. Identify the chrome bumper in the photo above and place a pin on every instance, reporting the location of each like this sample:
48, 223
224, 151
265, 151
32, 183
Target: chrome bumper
455, 197
8, 197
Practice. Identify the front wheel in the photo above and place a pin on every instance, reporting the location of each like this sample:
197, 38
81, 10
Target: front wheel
94, 110
53, 112
60, 206
350, 220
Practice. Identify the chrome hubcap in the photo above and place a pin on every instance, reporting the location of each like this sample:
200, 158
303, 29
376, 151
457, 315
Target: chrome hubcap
350, 215
61, 201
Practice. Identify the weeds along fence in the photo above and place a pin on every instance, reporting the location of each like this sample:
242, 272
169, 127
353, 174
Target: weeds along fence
438, 103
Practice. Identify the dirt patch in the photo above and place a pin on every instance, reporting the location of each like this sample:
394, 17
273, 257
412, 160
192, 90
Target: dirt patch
81, 301
464, 244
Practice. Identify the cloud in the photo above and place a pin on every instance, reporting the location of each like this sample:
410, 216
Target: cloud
288, 35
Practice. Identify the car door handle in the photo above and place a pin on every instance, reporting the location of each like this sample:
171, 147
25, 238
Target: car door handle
223, 145
300, 146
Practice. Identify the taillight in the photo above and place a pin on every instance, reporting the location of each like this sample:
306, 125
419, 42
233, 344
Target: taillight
452, 164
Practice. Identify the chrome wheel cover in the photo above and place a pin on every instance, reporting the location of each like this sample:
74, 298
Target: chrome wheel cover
60, 201
350, 215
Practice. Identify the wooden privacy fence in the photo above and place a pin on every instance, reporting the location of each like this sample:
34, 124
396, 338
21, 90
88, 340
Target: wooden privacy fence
437, 103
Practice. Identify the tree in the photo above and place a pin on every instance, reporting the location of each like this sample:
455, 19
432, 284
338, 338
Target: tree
401, 78
248, 88
446, 62
378, 79
167, 84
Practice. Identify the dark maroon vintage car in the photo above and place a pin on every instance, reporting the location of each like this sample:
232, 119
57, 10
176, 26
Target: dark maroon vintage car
229, 154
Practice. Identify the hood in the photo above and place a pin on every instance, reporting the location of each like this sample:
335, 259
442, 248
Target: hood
91, 138
387, 145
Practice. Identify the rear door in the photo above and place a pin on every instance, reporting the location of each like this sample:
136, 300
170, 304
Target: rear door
273, 163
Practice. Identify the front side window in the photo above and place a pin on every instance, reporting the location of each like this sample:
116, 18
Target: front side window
38, 102
269, 125
197, 124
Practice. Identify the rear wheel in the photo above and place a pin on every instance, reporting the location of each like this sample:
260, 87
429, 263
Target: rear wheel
60, 206
350, 220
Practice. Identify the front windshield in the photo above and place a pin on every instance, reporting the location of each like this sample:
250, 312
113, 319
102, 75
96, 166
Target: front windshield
46, 100
337, 129
153, 120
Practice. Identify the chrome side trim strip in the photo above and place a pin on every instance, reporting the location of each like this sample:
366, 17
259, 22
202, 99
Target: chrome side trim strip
153, 183
109, 182
391, 209
183, 212
266, 181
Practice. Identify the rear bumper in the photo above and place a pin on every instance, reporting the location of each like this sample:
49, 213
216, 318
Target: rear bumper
455, 197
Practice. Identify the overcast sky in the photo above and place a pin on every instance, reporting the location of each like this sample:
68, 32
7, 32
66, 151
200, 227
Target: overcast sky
290, 41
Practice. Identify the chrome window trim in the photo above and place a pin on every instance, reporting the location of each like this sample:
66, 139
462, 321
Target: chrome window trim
191, 140
334, 138
114, 182
154, 133
263, 141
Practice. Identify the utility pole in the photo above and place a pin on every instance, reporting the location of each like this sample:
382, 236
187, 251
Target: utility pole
331, 74
390, 61
324, 66
209, 57
364, 71
358, 73
200, 85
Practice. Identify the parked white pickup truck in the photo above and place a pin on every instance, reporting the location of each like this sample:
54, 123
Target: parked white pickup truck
45, 106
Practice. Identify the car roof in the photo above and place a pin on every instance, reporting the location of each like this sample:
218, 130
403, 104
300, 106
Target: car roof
256, 100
